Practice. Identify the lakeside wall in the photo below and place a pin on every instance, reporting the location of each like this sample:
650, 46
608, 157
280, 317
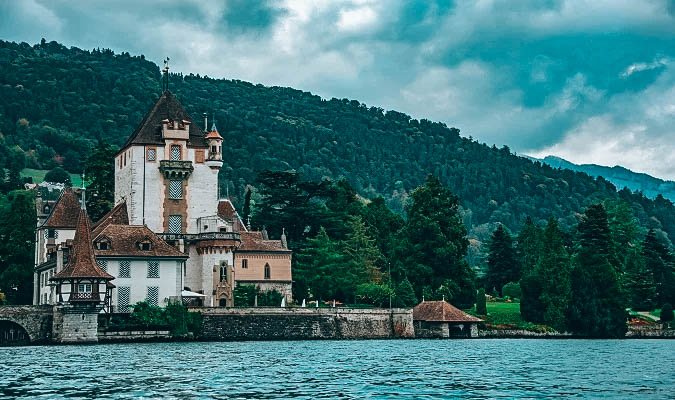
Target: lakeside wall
306, 323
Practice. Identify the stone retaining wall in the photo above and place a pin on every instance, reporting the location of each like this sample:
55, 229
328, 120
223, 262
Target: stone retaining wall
305, 323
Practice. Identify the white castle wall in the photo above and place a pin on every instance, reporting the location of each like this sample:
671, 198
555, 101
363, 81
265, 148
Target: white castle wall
202, 194
129, 185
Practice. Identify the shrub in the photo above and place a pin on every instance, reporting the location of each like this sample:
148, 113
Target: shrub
373, 293
512, 290
58, 175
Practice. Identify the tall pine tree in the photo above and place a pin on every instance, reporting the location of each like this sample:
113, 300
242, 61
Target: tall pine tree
503, 266
597, 306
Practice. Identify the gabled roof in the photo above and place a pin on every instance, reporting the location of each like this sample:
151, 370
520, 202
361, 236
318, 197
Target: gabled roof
82, 263
150, 129
227, 212
441, 311
254, 241
117, 216
65, 212
124, 240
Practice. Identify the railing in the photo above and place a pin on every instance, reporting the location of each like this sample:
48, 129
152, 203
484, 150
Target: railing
83, 296
201, 236
176, 168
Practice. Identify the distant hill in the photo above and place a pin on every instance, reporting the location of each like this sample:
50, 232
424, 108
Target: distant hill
620, 176
56, 102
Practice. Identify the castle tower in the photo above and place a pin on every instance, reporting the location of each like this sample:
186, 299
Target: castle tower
167, 171
81, 290
215, 141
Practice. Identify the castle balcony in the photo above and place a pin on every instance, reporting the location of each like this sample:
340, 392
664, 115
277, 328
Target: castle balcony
176, 169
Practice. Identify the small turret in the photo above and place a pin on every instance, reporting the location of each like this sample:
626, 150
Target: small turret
215, 142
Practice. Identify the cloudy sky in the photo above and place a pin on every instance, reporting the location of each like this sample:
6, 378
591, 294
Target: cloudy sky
590, 81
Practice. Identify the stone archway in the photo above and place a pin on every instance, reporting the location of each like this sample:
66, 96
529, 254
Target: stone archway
13, 334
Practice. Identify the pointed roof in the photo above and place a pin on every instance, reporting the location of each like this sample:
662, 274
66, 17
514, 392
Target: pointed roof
65, 212
82, 263
117, 216
441, 311
150, 129
213, 133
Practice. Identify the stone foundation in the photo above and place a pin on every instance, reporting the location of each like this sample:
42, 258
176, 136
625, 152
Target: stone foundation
75, 324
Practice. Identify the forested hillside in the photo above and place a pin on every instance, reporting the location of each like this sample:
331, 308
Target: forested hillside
57, 102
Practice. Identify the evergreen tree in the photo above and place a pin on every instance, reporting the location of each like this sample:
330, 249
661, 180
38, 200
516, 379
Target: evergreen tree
362, 250
481, 306
502, 264
639, 282
667, 314
17, 246
597, 307
405, 294
529, 249
100, 175
433, 243
554, 269
528, 246
246, 210
659, 262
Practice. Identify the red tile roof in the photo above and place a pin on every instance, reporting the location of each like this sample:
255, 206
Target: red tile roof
65, 212
150, 129
117, 216
441, 311
82, 263
254, 241
124, 242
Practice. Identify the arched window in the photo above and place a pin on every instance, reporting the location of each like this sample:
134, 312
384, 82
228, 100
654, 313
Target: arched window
268, 271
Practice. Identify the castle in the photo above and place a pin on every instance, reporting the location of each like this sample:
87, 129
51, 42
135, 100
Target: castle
169, 236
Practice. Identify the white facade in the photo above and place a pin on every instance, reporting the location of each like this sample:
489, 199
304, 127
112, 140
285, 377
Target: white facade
142, 283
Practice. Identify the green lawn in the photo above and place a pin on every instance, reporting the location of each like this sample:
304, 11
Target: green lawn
38, 176
504, 313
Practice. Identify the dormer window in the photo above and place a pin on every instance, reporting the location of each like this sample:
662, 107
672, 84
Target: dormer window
145, 245
102, 244
46, 209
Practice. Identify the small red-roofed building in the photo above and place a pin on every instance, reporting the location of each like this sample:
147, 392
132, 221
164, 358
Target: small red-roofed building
440, 319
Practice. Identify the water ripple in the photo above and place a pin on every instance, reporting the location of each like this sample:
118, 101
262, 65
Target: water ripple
406, 369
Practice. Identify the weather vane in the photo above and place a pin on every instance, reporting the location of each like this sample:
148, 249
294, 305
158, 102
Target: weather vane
165, 71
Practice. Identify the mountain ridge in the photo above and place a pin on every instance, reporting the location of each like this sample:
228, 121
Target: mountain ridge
619, 175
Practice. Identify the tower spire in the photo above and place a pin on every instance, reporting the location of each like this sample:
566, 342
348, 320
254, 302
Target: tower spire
84, 192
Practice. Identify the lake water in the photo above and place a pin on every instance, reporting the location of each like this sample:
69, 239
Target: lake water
637, 369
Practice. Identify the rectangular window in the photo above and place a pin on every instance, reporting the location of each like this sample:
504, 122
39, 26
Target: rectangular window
175, 224
103, 264
151, 154
123, 298
153, 295
153, 269
84, 288
125, 269
175, 189
199, 156
175, 152
244, 263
